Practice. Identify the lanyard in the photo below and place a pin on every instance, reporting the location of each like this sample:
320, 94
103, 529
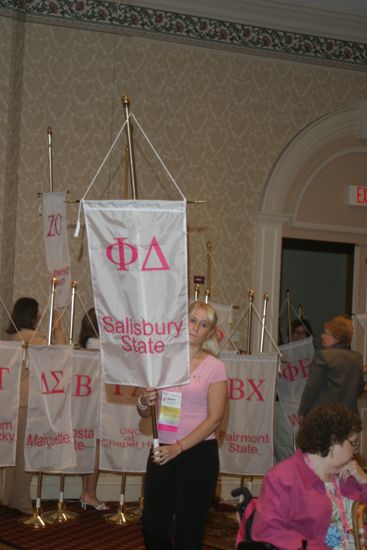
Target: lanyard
337, 497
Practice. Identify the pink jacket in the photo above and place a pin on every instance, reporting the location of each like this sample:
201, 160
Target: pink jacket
293, 505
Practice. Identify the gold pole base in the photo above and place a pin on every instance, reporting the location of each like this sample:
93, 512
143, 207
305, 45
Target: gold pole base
37, 520
61, 515
121, 517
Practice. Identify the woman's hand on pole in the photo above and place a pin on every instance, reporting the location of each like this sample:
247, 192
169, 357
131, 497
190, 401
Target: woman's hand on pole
146, 400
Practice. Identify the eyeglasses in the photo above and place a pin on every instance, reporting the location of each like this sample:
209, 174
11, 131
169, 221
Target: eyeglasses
354, 443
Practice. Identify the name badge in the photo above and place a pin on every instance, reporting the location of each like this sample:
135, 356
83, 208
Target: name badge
169, 414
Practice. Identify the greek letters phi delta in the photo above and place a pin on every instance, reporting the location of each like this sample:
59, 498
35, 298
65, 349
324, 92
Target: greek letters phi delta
123, 254
130, 328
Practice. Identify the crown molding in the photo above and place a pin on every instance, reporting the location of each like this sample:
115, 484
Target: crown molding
267, 13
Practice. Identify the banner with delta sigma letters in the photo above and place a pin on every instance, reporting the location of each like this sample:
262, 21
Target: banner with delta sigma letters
56, 244
11, 359
138, 259
49, 441
245, 436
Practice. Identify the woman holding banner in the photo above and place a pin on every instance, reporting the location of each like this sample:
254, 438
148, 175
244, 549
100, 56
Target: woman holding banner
182, 472
23, 327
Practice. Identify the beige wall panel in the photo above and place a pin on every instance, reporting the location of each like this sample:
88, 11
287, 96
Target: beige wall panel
219, 120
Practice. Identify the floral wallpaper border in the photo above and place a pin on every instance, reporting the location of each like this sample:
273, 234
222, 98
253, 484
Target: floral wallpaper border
242, 37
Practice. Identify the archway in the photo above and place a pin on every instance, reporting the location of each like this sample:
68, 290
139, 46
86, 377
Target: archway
306, 197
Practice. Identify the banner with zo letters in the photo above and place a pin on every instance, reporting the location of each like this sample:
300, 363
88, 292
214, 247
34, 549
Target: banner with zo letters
138, 259
56, 244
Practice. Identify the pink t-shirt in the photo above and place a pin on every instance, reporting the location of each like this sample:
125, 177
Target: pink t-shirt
194, 404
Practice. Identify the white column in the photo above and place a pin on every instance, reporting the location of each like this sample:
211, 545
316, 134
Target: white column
267, 267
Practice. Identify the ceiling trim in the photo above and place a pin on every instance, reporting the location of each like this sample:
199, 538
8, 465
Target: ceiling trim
193, 29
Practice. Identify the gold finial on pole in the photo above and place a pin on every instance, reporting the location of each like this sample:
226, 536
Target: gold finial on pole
209, 267
74, 286
196, 292
263, 321
126, 105
300, 311
50, 171
289, 314
207, 295
251, 295
52, 303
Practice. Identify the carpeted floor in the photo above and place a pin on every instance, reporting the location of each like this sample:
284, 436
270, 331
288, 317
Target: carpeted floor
91, 531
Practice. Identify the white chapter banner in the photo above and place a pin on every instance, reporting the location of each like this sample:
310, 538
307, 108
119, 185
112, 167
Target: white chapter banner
56, 245
245, 436
138, 258
125, 436
11, 360
49, 436
85, 409
295, 360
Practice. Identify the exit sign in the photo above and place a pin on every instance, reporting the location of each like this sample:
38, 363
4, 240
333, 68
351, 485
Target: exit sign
357, 195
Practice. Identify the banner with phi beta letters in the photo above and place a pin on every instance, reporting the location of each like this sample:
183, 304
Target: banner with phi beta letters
11, 359
295, 359
245, 436
138, 258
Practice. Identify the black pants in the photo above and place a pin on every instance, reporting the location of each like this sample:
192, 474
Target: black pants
182, 489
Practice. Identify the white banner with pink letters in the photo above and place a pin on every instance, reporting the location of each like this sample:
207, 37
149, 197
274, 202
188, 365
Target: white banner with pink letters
125, 436
85, 409
56, 244
245, 436
11, 358
138, 258
49, 436
295, 359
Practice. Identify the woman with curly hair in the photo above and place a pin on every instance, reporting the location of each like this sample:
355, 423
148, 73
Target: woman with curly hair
310, 495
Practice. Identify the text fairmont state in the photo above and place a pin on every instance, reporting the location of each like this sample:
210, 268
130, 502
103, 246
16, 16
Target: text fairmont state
243, 443
141, 336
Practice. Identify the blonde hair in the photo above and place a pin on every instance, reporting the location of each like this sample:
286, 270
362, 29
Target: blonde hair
211, 344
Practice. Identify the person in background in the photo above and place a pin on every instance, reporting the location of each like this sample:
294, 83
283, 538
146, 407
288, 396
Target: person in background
24, 328
89, 339
336, 372
301, 329
182, 472
309, 496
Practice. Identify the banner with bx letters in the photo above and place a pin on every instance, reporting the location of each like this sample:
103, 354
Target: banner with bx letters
138, 259
245, 436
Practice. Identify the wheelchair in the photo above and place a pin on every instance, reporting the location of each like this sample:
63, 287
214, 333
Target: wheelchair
359, 519
245, 500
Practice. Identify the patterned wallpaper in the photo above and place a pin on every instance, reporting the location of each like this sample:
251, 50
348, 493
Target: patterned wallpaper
218, 118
